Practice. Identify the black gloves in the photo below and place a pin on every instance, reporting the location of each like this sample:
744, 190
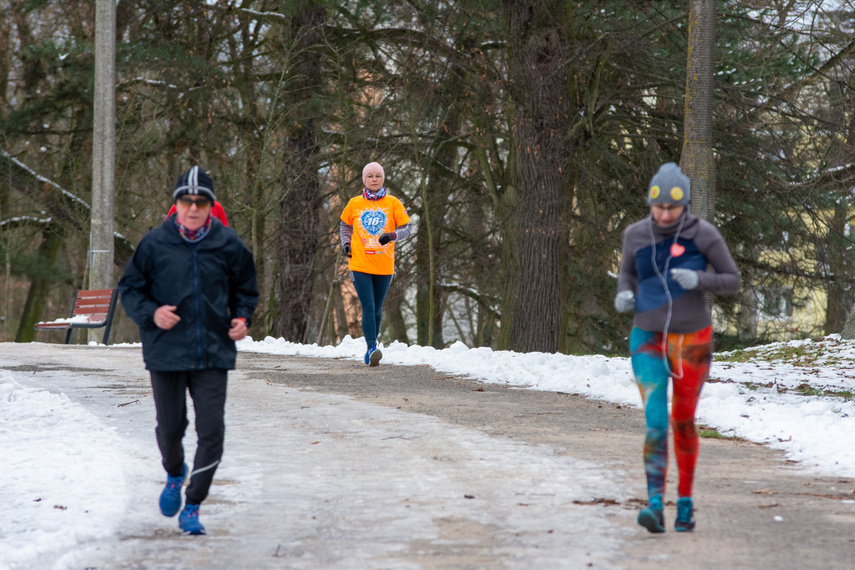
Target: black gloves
383, 239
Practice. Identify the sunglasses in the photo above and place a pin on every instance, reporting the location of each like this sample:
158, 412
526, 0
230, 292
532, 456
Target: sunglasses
200, 201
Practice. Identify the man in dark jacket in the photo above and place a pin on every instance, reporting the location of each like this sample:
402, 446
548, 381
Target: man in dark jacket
191, 288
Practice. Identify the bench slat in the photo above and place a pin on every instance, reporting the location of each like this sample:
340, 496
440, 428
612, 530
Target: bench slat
86, 306
53, 325
94, 293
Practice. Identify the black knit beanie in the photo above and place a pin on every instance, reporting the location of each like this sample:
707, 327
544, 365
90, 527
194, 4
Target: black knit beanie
194, 181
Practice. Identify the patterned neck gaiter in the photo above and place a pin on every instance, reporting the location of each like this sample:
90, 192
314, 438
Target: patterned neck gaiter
194, 236
373, 196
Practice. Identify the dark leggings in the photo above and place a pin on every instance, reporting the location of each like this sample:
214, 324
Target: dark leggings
208, 391
371, 290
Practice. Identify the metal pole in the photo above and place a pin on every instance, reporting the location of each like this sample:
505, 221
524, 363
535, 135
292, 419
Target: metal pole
103, 149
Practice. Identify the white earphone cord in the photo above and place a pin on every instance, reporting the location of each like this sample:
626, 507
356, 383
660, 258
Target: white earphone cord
664, 282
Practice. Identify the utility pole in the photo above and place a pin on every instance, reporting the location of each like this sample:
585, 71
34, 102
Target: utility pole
103, 150
697, 159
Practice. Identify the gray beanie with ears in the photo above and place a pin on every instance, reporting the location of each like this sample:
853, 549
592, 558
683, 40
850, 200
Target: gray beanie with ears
669, 186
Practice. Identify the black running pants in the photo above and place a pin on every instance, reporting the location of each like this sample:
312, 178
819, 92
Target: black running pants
208, 391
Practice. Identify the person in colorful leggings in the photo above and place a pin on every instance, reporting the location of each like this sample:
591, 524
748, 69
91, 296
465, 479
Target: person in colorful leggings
664, 279
371, 223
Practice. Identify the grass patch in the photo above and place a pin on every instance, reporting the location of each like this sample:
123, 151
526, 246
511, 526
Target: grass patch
803, 355
712, 433
821, 352
803, 389
808, 390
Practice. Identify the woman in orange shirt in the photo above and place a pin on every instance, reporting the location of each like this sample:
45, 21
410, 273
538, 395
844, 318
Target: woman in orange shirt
370, 225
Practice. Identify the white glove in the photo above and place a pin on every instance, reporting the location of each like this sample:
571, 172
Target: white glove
625, 301
687, 278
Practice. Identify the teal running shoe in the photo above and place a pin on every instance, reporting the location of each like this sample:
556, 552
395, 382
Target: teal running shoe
685, 515
652, 517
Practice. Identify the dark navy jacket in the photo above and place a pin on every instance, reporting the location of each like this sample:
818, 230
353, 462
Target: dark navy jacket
211, 282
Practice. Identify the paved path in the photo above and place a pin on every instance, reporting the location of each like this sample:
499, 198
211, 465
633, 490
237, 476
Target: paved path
330, 464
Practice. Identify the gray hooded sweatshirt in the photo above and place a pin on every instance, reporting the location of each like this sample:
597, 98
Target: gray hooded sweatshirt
649, 254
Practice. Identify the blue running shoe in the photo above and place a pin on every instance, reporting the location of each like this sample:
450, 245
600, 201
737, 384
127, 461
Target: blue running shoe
188, 520
374, 356
651, 517
170, 498
685, 515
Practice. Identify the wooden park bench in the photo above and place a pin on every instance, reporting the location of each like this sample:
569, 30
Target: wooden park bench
93, 309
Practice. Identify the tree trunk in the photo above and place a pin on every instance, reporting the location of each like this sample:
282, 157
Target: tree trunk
428, 297
300, 207
746, 323
539, 121
838, 290
848, 331
697, 159
393, 315
40, 287
509, 263
340, 316
5, 62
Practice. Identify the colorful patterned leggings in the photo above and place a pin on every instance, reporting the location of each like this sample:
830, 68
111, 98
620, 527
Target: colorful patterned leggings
689, 357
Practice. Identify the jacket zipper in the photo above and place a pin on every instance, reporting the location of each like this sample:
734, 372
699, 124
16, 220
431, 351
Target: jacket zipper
198, 293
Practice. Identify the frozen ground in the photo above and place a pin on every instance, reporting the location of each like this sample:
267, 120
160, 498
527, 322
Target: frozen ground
333, 465
321, 481
757, 399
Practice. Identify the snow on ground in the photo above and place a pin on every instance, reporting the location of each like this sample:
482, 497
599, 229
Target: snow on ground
61, 447
68, 444
754, 400
318, 480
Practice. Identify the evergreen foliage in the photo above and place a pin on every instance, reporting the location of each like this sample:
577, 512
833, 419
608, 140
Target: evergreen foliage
285, 115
